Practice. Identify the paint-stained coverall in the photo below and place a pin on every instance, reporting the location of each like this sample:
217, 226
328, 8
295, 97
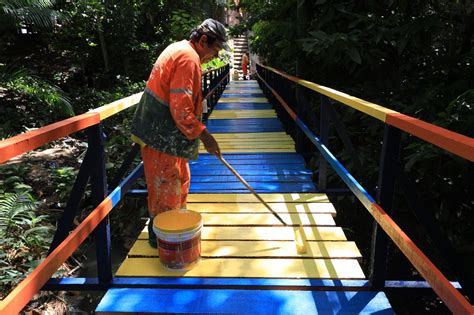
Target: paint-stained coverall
167, 124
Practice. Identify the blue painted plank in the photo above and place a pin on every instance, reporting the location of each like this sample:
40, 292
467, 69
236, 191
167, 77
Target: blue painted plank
254, 172
254, 283
246, 191
143, 192
257, 162
242, 106
242, 129
260, 178
259, 186
244, 121
239, 167
67, 284
230, 156
246, 95
243, 301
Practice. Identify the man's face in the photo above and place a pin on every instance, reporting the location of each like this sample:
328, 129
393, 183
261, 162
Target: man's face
208, 52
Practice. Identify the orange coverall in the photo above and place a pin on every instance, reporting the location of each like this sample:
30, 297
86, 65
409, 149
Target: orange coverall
174, 97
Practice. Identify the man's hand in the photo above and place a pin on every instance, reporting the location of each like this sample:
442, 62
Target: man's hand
210, 143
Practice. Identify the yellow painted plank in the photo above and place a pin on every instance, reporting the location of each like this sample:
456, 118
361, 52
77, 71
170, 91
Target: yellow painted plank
256, 140
246, 142
243, 100
237, 150
251, 134
267, 218
237, 86
313, 207
261, 268
246, 83
231, 115
277, 197
244, 111
253, 145
256, 114
237, 91
243, 140
241, 83
270, 233
285, 249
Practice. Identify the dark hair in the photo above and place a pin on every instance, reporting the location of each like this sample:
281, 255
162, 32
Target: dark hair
196, 36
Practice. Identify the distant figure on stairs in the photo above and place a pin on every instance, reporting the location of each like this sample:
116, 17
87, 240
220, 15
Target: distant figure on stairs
245, 65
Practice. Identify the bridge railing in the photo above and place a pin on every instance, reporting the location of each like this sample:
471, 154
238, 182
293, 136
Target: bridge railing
275, 85
66, 239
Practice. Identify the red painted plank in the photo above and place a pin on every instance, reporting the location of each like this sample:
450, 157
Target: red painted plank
453, 142
454, 300
24, 292
31, 140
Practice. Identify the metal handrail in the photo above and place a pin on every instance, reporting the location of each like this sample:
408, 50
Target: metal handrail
455, 301
93, 168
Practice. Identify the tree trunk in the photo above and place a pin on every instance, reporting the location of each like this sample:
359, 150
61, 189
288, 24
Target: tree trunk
103, 47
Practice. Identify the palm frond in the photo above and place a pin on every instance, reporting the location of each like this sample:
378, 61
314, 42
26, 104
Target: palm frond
10, 73
15, 211
35, 12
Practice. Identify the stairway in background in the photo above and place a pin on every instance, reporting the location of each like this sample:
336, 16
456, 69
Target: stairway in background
240, 46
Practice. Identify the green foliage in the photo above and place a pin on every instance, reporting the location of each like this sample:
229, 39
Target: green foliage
415, 57
39, 13
182, 22
214, 64
237, 30
46, 93
46, 100
24, 237
13, 178
63, 180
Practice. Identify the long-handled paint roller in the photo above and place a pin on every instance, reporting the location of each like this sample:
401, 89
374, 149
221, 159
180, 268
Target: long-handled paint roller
300, 245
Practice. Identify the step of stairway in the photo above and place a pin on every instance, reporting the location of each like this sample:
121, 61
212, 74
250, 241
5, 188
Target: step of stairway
242, 301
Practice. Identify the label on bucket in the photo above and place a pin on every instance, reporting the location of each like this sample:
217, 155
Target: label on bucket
180, 255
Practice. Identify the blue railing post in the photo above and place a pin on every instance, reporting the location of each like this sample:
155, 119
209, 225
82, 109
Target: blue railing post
324, 137
385, 192
66, 222
96, 138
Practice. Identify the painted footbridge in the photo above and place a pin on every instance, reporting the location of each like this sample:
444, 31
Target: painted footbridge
250, 263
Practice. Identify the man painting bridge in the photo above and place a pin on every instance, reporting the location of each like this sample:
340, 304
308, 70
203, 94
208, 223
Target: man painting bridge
167, 122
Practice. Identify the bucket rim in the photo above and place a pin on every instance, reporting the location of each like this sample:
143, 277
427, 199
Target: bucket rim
178, 221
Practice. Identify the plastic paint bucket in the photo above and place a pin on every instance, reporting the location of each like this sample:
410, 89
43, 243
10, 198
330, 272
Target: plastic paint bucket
178, 233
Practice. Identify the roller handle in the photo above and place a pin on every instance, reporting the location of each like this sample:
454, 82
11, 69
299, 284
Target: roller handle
243, 181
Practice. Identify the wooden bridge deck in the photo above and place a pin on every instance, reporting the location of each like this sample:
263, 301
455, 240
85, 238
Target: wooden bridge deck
241, 240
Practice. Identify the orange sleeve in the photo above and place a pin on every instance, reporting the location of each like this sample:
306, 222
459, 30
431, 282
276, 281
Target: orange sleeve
184, 88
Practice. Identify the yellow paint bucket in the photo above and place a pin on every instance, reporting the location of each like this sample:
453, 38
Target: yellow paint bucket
178, 233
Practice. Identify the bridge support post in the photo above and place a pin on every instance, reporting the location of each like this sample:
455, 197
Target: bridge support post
303, 146
66, 223
385, 191
324, 137
99, 192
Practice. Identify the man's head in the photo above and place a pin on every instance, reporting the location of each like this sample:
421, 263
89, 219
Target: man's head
210, 37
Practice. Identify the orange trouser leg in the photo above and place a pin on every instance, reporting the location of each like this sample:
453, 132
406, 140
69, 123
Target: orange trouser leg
167, 179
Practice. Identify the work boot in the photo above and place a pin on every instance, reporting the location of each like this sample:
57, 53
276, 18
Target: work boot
151, 235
